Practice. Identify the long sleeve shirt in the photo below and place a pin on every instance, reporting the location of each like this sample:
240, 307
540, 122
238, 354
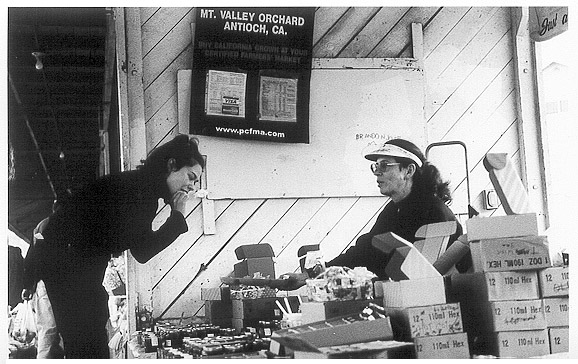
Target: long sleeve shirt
403, 219
113, 214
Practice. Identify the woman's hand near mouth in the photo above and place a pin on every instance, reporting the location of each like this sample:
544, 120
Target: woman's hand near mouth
179, 201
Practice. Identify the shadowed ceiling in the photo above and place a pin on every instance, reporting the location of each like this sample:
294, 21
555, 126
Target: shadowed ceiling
55, 109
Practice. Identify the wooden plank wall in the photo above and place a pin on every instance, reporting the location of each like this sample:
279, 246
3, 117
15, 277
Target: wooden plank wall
468, 58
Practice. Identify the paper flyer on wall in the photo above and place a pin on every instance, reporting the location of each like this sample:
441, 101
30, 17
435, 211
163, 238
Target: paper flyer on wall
278, 99
225, 94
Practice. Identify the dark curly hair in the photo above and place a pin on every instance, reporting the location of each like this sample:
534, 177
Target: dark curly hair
184, 150
427, 178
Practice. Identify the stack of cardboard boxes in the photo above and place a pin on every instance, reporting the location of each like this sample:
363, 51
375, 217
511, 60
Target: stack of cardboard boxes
554, 285
503, 301
416, 301
254, 258
248, 308
218, 306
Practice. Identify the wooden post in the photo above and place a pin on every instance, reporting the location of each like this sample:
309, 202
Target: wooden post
122, 88
529, 125
109, 57
417, 46
135, 89
132, 121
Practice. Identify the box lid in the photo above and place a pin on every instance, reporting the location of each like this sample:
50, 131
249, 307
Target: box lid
437, 229
254, 251
388, 242
406, 262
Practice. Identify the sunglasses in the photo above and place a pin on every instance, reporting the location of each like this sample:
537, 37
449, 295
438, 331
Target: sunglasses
381, 167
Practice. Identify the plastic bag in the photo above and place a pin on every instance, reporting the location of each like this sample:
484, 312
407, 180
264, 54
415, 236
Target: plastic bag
50, 344
24, 329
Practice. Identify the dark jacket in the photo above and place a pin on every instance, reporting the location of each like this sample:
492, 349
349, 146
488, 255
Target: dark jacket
404, 219
110, 215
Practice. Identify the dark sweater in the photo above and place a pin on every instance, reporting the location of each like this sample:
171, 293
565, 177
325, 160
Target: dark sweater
404, 219
110, 215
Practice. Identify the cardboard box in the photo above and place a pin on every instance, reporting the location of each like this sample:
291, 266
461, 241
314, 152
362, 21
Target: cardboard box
322, 311
241, 324
342, 330
554, 281
556, 310
248, 267
222, 322
434, 239
509, 226
494, 286
218, 309
216, 294
249, 251
255, 258
369, 350
261, 308
559, 339
412, 322
508, 254
405, 262
451, 346
453, 255
512, 344
483, 317
410, 293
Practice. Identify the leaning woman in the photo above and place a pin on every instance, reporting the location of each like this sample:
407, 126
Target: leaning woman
108, 216
418, 197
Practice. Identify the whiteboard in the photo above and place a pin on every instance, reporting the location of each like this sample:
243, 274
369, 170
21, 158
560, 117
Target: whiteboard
353, 101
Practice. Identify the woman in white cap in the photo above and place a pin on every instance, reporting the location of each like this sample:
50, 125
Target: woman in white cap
418, 197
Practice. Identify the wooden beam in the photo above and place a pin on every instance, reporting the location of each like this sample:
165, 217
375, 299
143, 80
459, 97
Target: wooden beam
135, 89
132, 287
121, 68
529, 124
108, 87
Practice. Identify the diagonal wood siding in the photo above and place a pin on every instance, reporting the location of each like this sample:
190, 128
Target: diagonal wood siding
468, 62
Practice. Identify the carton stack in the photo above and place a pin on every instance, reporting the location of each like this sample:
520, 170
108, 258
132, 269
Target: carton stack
218, 305
254, 259
554, 285
415, 300
253, 307
250, 313
502, 301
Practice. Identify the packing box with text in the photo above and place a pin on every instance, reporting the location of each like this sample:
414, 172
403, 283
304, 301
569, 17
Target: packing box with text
412, 322
512, 344
507, 254
559, 339
557, 311
554, 281
495, 286
450, 346
513, 315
